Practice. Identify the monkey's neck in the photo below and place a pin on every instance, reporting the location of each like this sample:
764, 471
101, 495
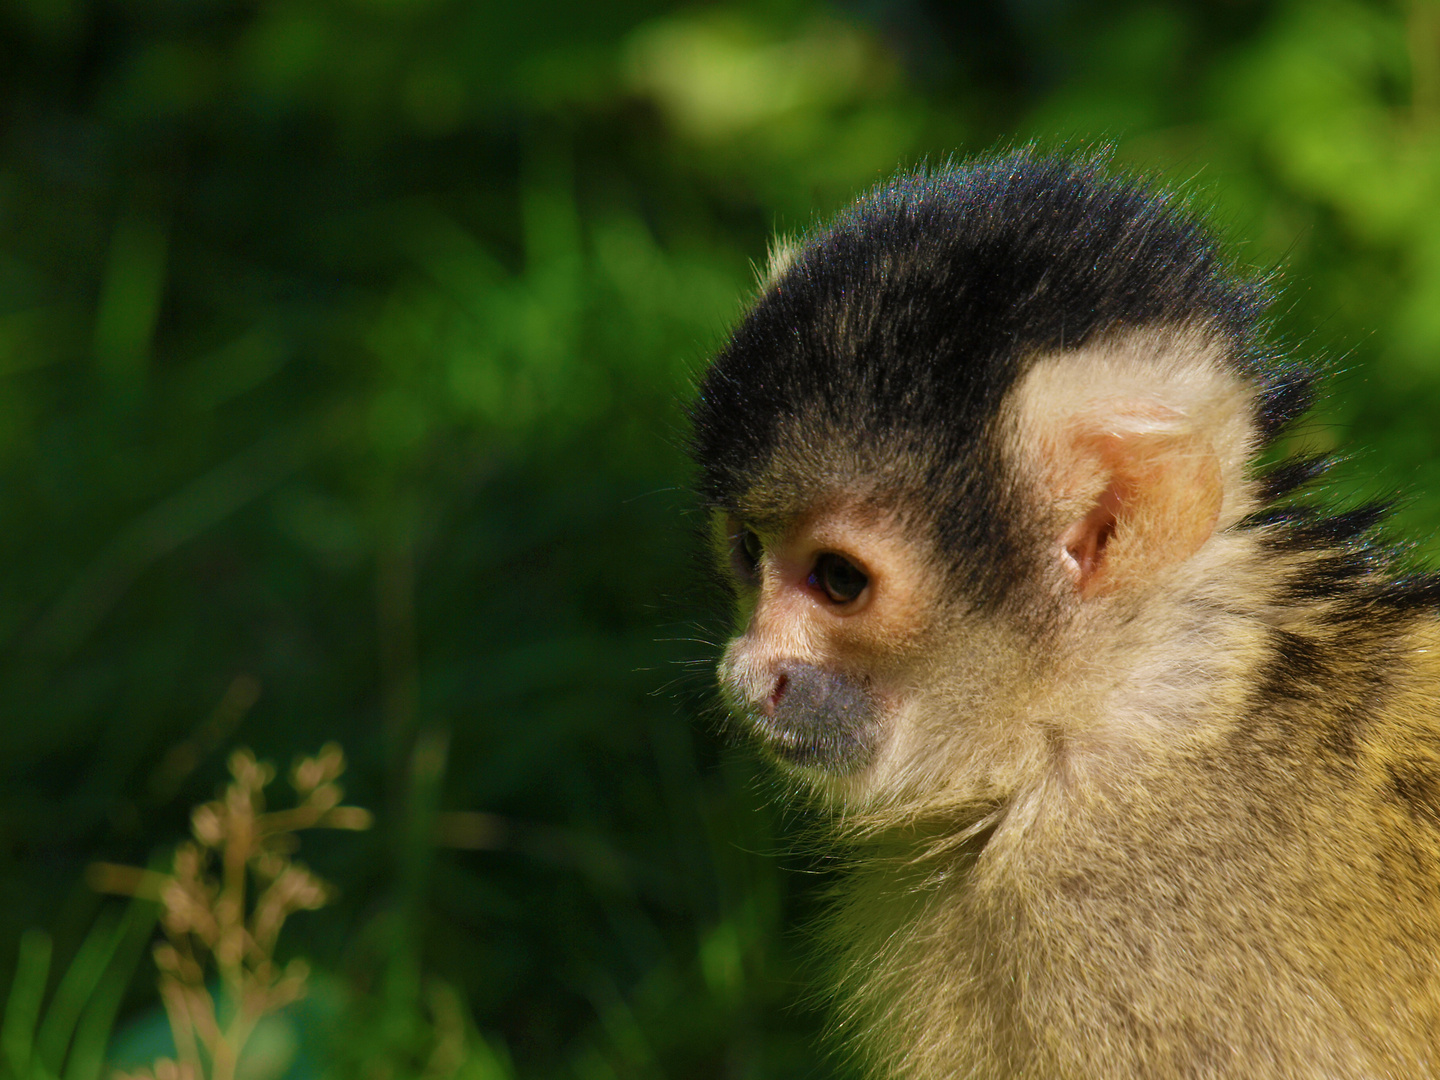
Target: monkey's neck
1160, 896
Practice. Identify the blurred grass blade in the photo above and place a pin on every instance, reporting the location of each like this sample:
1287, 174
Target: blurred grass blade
75, 989
414, 860
22, 1010
130, 297
97, 1017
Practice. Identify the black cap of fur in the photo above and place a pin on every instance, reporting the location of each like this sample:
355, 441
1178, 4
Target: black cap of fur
908, 318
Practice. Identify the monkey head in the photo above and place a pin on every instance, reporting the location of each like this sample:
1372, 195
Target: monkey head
965, 450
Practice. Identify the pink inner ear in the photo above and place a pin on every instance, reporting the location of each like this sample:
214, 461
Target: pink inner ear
1085, 541
1157, 508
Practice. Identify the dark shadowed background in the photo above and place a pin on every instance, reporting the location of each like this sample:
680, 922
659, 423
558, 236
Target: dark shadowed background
344, 347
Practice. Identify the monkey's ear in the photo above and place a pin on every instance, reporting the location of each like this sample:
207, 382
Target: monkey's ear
1153, 499
1139, 456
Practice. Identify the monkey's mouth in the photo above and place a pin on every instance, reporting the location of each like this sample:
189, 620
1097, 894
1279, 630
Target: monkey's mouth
818, 719
782, 684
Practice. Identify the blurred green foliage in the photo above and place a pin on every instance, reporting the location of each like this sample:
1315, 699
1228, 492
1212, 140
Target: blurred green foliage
344, 347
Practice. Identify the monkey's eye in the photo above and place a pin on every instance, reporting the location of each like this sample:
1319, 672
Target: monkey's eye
745, 551
838, 578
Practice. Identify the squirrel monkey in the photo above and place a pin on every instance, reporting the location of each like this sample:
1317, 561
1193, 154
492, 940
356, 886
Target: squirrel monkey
1135, 766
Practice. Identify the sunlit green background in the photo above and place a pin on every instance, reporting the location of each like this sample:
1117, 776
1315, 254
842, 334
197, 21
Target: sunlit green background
345, 346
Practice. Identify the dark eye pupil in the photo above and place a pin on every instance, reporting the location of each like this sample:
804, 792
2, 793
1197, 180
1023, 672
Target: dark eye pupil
839, 578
